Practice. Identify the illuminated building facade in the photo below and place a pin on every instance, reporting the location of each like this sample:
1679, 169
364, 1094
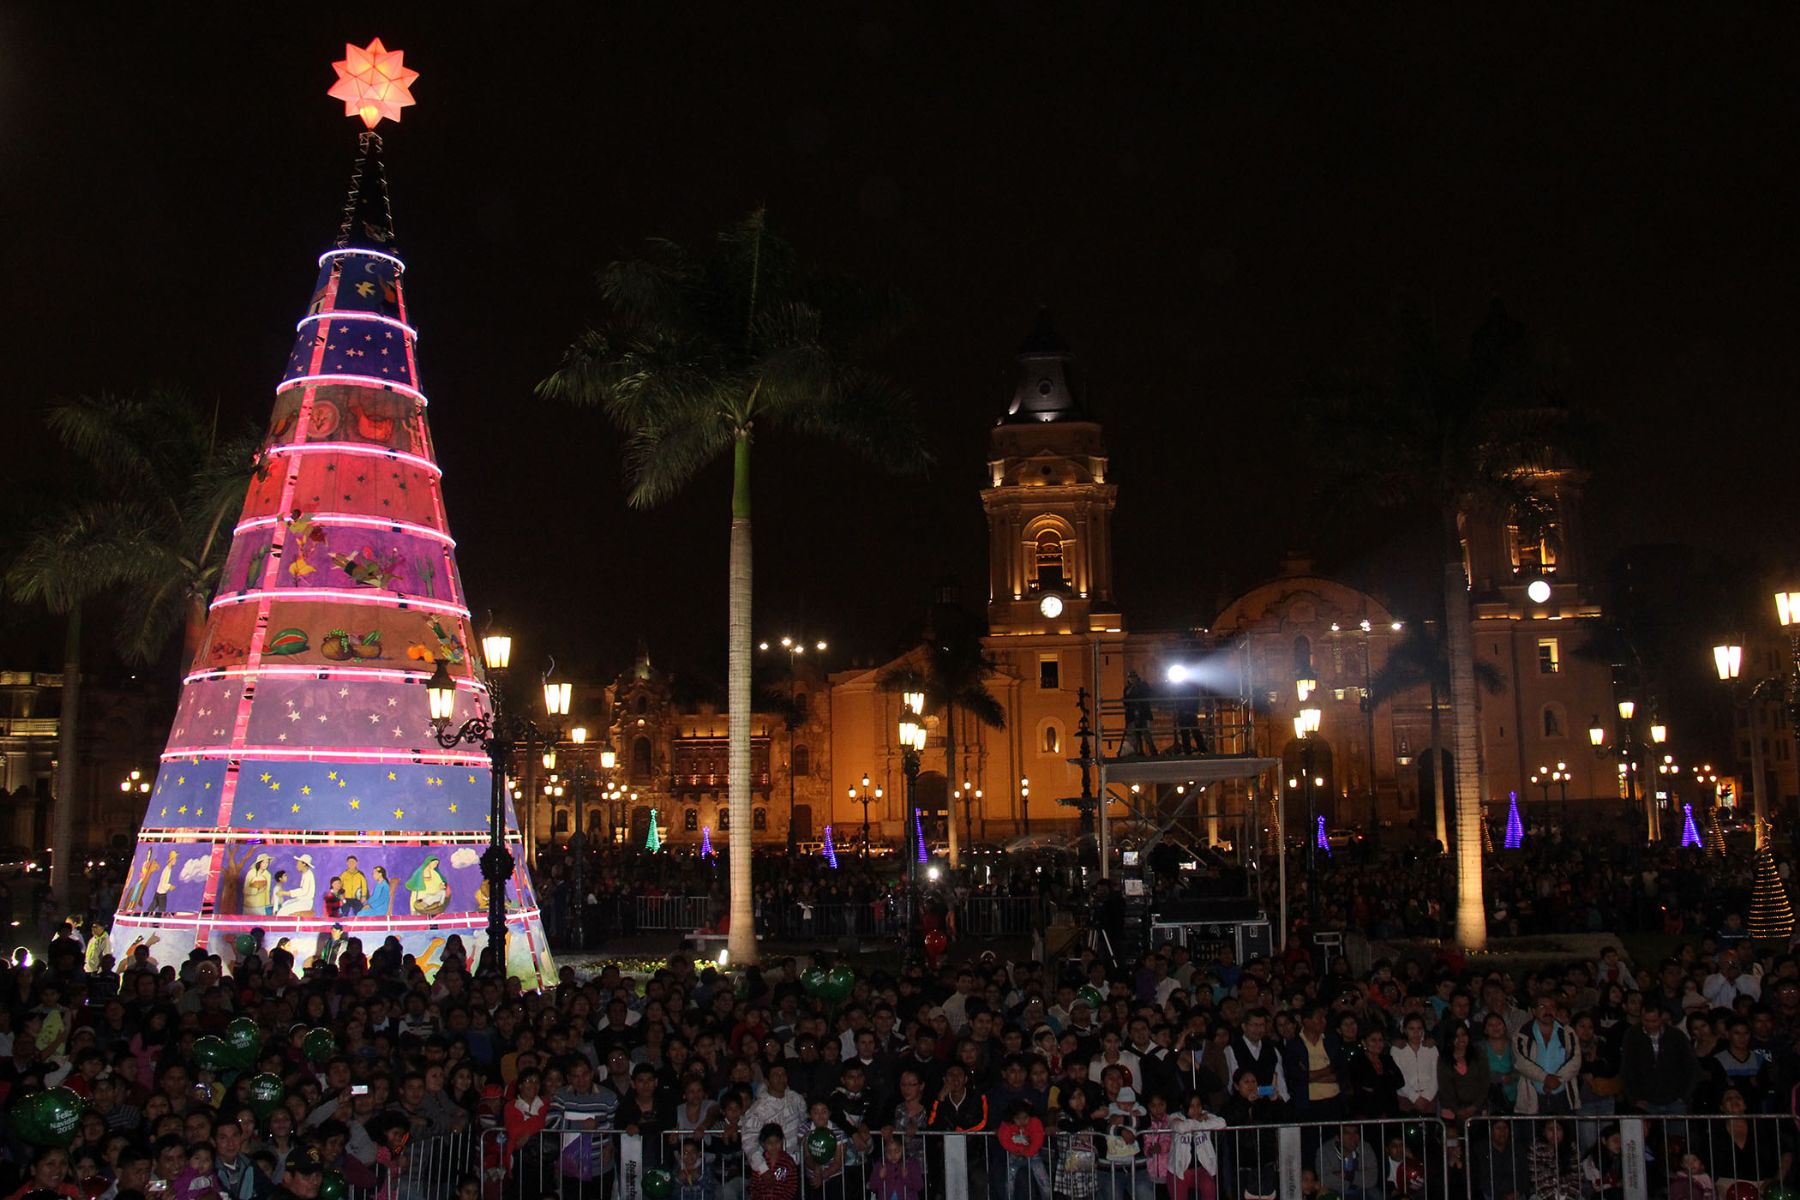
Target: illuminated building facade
1055, 629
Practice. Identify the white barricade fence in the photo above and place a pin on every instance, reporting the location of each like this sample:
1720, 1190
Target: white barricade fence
1398, 1159
1639, 1156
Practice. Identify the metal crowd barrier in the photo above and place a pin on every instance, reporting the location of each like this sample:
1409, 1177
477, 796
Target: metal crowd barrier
428, 1169
683, 913
795, 920
1354, 1160
1599, 1156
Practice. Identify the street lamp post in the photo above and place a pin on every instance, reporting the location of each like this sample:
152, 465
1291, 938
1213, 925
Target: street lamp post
578, 735
497, 734
912, 744
1729, 660
1024, 806
1627, 754
1787, 608
1306, 725
1541, 779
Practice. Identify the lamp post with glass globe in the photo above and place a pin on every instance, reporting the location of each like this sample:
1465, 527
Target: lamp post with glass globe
912, 744
1728, 660
865, 796
498, 734
1787, 609
1306, 726
1626, 752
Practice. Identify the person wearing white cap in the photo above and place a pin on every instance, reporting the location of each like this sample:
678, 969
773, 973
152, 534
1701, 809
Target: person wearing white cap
299, 899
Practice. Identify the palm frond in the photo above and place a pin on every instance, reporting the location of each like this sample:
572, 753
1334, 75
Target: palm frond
663, 455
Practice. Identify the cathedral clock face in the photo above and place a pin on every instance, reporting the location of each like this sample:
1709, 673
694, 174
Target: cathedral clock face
1051, 605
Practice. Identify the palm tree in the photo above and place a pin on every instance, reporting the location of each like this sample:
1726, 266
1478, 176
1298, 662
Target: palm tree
1421, 659
158, 486
952, 670
698, 352
63, 561
1452, 436
171, 485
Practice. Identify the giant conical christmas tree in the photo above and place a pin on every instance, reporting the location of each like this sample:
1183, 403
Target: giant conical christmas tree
302, 792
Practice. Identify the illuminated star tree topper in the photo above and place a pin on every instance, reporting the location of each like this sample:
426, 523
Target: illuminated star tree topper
373, 82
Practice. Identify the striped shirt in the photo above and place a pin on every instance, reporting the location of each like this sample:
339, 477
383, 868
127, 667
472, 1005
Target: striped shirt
600, 1103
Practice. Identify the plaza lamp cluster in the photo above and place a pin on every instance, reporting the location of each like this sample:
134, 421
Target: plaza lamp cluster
795, 648
498, 734
912, 744
865, 795
1627, 750
1728, 658
1308, 781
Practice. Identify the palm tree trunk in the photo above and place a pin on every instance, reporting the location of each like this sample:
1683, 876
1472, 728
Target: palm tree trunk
951, 785
1471, 904
193, 630
742, 942
1437, 772
62, 821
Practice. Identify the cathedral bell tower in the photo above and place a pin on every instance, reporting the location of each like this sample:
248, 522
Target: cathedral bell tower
1049, 505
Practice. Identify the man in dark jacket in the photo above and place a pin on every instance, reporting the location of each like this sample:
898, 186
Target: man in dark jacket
1313, 1062
1657, 1065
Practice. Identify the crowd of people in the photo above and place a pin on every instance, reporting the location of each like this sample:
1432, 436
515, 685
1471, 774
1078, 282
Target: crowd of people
1160, 1078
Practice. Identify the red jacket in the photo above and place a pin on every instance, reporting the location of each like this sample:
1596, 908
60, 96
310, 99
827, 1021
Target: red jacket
780, 1182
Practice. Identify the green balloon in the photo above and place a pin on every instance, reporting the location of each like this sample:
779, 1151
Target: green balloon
821, 1146
266, 1091
1414, 1133
814, 981
318, 1045
1090, 995
245, 1039
332, 1186
1778, 1192
658, 1183
212, 1054
49, 1118
246, 944
840, 982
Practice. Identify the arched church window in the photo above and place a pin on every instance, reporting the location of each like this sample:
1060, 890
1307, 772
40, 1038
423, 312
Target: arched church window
640, 758
1050, 560
1051, 739
802, 760
1302, 656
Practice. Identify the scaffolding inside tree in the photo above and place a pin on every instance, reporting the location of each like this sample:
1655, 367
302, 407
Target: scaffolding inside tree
1771, 914
1715, 835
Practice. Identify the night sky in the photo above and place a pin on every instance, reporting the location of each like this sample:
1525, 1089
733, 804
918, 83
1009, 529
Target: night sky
1218, 208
